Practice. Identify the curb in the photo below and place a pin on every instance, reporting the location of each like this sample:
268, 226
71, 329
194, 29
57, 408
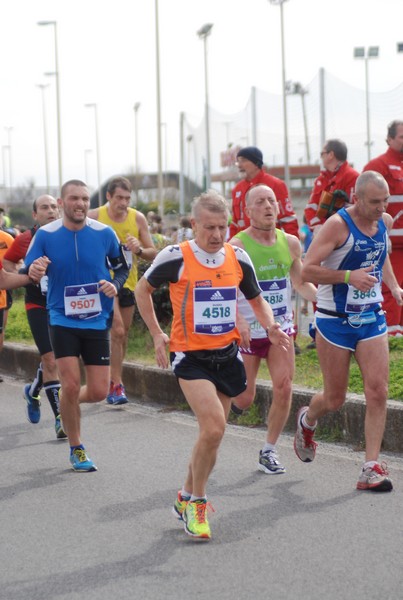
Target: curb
149, 384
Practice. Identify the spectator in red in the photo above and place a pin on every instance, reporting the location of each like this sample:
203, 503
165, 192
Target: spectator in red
332, 190
334, 187
390, 165
250, 166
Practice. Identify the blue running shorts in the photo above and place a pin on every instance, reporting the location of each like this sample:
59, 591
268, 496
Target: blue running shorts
338, 331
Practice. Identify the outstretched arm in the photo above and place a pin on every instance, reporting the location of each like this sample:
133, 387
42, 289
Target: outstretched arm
306, 289
144, 301
10, 281
390, 280
264, 315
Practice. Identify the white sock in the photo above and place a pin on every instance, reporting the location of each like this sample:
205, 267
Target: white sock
195, 498
369, 464
268, 447
305, 424
185, 495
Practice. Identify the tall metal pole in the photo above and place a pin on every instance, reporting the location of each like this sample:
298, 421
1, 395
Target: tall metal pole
297, 88
189, 139
366, 53
3, 157
286, 158
165, 162
95, 107
10, 167
203, 33
182, 164
322, 105
136, 148
59, 129
98, 156
159, 151
3, 154
87, 152
367, 109
43, 87
59, 126
254, 113
284, 83
308, 151
207, 117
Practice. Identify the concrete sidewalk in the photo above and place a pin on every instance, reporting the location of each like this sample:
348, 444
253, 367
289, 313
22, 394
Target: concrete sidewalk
154, 385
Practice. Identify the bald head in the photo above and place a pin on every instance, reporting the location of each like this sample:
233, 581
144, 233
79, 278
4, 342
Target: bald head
45, 209
258, 191
370, 178
262, 207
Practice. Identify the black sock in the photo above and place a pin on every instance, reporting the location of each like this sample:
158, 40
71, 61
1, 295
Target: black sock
52, 391
37, 383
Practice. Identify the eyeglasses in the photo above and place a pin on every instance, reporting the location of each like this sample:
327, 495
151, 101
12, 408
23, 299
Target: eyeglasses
322, 154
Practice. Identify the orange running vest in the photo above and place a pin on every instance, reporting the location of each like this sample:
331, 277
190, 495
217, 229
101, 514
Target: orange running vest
204, 300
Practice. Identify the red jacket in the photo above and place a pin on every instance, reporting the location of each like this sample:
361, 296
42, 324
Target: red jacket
343, 178
390, 165
19, 247
287, 219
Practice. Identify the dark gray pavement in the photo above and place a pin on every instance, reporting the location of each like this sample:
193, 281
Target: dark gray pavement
110, 534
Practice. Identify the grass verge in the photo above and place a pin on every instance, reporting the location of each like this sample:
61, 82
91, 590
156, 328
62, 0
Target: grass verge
307, 370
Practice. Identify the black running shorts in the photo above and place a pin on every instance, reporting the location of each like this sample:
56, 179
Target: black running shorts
126, 297
38, 323
228, 376
91, 344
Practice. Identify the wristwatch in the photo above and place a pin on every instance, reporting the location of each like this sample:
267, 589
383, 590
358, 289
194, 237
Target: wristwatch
268, 329
140, 252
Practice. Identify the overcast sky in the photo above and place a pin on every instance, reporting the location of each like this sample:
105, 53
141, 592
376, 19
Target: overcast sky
107, 56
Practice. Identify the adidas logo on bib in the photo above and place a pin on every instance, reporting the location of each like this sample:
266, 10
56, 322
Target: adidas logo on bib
217, 296
81, 291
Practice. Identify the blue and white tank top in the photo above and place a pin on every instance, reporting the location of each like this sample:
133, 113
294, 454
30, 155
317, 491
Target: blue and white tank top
358, 251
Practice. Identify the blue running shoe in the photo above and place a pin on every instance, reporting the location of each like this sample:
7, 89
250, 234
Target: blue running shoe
33, 405
81, 462
117, 395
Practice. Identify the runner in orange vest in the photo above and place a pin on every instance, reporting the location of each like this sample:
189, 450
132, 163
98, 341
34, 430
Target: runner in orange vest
204, 275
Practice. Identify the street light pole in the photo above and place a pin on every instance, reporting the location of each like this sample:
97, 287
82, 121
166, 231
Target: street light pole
157, 69
136, 148
95, 107
3, 155
42, 87
366, 54
87, 152
10, 167
59, 132
285, 119
189, 140
298, 89
203, 33
182, 163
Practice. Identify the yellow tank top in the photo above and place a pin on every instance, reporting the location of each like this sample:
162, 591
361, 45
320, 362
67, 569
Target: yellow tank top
128, 226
